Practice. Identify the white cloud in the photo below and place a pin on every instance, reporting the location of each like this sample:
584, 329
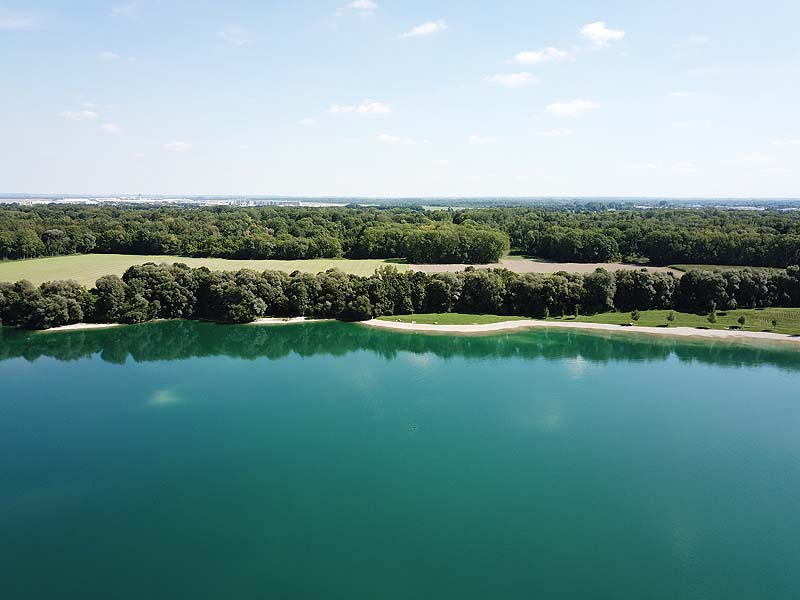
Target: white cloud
513, 79
659, 168
537, 57
571, 108
775, 171
694, 40
683, 94
481, 140
365, 5
367, 107
129, 10
165, 397
111, 129
427, 28
234, 36
307, 122
18, 22
788, 142
108, 55
394, 140
79, 115
177, 146
555, 132
600, 35
752, 160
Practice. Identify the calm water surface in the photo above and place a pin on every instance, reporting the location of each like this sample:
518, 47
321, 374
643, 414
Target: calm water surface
189, 460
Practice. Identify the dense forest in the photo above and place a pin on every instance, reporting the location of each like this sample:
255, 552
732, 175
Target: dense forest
248, 233
473, 236
150, 291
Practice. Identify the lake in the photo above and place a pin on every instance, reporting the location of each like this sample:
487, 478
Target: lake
330, 460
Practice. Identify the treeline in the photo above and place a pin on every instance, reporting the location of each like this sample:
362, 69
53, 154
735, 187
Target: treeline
247, 233
473, 236
663, 235
150, 291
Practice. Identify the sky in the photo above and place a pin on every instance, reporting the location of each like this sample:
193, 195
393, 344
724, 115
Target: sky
391, 98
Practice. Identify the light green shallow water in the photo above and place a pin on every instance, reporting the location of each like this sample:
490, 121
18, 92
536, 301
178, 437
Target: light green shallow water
189, 460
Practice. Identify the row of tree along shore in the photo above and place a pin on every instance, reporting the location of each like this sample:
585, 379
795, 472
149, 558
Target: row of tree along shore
591, 233
147, 292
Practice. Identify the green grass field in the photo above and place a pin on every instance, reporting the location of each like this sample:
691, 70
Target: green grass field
788, 319
87, 268
686, 268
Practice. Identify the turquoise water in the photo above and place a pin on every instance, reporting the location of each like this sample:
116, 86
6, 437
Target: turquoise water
191, 460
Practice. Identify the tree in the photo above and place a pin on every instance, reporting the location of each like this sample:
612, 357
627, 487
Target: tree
635, 315
670, 318
483, 292
742, 320
359, 309
600, 288
110, 293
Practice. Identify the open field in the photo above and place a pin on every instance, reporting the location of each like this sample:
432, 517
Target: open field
685, 268
520, 264
87, 268
788, 319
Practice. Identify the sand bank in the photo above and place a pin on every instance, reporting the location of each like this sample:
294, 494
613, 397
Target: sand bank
722, 334
79, 326
280, 321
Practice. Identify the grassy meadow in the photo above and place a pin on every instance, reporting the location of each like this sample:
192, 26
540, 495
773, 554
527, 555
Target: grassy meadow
685, 268
87, 268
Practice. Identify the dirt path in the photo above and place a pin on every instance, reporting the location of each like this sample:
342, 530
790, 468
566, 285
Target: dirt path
683, 332
526, 265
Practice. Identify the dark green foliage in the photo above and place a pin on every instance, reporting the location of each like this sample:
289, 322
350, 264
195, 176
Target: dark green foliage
644, 290
247, 233
152, 291
573, 233
600, 288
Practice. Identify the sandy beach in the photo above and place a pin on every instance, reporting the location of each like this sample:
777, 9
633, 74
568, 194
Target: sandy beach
80, 326
279, 321
683, 332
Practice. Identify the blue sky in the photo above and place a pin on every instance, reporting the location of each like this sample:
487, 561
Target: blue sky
391, 98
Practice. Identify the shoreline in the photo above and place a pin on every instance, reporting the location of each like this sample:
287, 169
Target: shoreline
284, 320
262, 321
679, 332
81, 326
507, 326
